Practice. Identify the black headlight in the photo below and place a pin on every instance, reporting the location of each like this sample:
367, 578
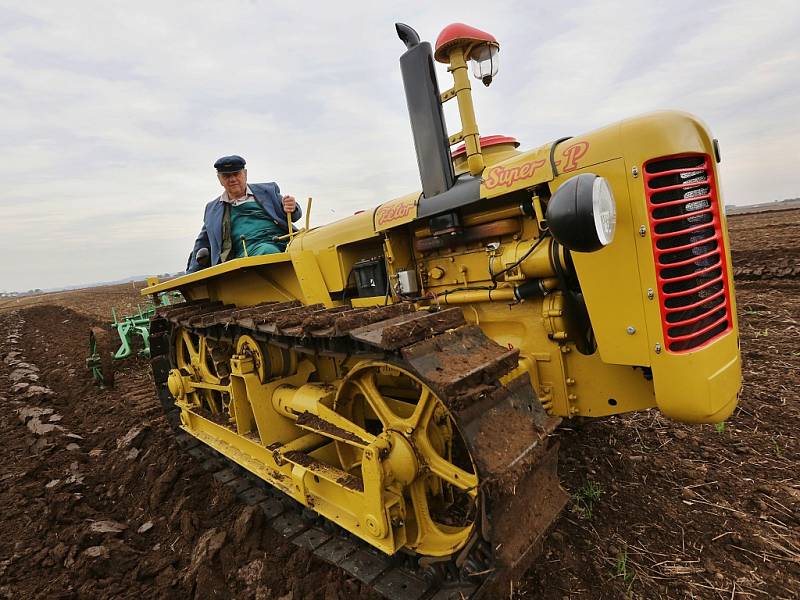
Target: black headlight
582, 214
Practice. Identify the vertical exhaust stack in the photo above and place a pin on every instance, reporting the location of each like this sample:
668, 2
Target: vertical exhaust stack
425, 111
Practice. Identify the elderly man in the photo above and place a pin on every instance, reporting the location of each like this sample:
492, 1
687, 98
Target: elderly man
244, 221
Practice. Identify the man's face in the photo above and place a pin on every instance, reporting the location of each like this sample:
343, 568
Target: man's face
234, 183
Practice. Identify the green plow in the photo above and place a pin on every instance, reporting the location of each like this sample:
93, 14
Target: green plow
133, 332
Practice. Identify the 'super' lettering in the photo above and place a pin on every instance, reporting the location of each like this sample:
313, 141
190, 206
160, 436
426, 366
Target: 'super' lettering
508, 176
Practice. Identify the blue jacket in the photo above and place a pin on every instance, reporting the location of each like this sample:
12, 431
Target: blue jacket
268, 195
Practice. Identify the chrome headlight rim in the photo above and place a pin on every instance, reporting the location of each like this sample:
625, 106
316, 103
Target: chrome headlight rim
604, 210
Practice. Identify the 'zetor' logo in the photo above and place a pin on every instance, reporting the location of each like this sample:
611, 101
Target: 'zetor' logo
392, 212
571, 155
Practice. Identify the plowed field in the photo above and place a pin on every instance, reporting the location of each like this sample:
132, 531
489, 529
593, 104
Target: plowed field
98, 501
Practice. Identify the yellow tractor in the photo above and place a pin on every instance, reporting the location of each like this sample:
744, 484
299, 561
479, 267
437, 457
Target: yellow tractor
401, 372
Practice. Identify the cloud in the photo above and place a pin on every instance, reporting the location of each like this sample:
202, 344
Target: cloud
112, 114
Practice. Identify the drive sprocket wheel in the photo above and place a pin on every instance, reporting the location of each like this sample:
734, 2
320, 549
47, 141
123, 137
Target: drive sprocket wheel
437, 478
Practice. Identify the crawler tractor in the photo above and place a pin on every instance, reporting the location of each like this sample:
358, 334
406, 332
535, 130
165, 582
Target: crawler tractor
400, 373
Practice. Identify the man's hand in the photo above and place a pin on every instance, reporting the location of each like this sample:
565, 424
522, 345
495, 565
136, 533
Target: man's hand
289, 204
202, 257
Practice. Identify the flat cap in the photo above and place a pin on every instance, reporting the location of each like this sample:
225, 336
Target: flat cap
229, 164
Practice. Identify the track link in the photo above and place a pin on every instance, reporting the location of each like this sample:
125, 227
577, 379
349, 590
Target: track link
503, 424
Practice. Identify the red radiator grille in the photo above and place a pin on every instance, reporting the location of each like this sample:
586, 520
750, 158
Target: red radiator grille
693, 286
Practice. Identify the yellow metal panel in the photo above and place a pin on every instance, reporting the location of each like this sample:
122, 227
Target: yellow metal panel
521, 326
662, 133
245, 287
336, 243
310, 278
370, 301
723, 387
248, 453
610, 280
396, 212
518, 172
350, 229
216, 271
598, 389
651, 136
491, 156
699, 386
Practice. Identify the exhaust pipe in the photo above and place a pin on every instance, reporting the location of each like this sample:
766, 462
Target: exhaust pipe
425, 111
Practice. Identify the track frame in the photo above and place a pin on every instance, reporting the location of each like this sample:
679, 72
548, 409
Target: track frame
344, 340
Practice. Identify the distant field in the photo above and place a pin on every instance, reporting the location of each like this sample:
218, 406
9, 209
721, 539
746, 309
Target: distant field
94, 301
767, 206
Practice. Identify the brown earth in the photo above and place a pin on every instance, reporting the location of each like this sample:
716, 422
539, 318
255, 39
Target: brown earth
95, 302
98, 502
663, 510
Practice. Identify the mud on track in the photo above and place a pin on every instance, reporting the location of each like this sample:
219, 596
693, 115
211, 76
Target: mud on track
659, 510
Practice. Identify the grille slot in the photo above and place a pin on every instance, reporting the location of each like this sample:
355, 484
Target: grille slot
660, 165
681, 224
702, 308
693, 286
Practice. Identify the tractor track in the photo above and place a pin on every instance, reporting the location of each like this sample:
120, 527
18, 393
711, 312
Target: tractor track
463, 367
139, 394
393, 577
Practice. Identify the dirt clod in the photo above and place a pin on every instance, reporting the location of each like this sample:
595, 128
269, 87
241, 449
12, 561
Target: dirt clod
107, 527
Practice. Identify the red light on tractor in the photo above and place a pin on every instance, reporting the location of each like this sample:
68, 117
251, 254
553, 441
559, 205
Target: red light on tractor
479, 47
459, 34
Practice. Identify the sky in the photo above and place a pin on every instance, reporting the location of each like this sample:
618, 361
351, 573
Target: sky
112, 113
